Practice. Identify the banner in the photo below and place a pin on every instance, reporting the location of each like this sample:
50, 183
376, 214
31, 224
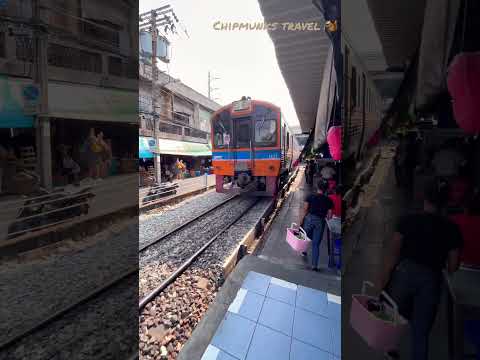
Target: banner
146, 147
16, 98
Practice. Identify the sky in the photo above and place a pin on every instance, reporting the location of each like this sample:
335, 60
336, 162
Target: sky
244, 60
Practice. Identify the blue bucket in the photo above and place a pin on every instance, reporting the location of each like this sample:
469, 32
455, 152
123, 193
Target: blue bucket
337, 253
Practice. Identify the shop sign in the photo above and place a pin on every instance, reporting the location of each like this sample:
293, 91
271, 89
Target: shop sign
31, 99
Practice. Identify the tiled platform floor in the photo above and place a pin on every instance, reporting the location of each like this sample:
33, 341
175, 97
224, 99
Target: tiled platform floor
274, 319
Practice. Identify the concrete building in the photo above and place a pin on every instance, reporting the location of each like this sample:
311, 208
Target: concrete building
181, 115
92, 75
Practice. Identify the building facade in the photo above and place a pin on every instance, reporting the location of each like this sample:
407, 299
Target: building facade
91, 70
177, 117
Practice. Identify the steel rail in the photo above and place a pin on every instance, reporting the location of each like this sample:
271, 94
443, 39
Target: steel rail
182, 226
152, 295
58, 314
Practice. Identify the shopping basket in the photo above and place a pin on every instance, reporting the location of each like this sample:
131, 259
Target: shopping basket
379, 334
297, 243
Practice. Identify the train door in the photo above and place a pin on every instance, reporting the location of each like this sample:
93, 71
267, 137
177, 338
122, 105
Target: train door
243, 161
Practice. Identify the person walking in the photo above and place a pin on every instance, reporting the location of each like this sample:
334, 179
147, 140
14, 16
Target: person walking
422, 247
93, 150
317, 207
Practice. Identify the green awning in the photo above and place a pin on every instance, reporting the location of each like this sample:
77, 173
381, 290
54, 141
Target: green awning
183, 148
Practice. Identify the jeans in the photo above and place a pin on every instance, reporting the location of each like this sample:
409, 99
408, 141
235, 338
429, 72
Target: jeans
417, 291
314, 227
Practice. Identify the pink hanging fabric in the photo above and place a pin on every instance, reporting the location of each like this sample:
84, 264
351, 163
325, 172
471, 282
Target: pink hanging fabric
334, 139
464, 86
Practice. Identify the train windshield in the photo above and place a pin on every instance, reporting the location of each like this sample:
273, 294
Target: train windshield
265, 127
222, 131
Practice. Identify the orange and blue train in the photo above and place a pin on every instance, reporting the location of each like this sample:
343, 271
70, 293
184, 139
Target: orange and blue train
253, 149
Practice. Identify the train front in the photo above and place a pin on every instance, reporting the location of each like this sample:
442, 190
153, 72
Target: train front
246, 152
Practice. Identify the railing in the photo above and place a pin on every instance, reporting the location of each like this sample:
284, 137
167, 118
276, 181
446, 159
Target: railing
174, 189
97, 33
41, 212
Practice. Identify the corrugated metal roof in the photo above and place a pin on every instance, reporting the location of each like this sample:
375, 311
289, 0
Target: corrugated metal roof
399, 26
301, 55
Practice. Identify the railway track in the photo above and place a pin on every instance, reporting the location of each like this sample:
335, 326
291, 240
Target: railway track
178, 294
169, 233
181, 269
73, 309
172, 304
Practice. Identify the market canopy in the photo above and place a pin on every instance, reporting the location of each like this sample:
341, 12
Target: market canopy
182, 148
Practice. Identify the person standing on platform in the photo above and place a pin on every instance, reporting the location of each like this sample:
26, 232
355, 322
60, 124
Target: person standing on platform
317, 207
336, 198
422, 247
310, 172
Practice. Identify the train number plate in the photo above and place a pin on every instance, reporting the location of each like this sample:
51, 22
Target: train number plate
241, 105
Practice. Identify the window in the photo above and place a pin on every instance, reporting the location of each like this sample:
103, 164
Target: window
181, 117
170, 128
265, 126
222, 131
76, 59
100, 33
243, 132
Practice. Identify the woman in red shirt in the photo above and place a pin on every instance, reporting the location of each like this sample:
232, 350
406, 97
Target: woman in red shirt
336, 198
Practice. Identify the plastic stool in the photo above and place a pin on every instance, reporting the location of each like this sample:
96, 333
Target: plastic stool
472, 332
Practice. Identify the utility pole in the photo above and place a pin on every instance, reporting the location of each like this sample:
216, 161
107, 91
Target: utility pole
154, 32
150, 22
211, 89
40, 78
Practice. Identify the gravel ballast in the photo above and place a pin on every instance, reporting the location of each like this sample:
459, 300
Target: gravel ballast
168, 321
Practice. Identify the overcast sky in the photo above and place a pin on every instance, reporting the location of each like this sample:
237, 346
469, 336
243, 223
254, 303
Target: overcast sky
244, 61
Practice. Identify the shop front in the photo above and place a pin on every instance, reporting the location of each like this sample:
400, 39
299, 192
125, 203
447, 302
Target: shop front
146, 155
17, 139
196, 158
92, 133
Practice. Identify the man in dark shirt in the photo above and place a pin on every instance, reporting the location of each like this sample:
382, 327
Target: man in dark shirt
423, 245
316, 208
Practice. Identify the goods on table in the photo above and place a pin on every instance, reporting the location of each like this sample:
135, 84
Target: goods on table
378, 309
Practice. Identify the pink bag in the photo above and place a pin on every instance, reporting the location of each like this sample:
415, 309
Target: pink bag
379, 334
464, 86
296, 243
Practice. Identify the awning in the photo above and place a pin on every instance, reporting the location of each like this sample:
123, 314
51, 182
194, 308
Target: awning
83, 102
146, 147
68, 101
174, 147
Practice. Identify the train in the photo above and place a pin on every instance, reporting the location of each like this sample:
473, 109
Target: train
362, 106
253, 149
